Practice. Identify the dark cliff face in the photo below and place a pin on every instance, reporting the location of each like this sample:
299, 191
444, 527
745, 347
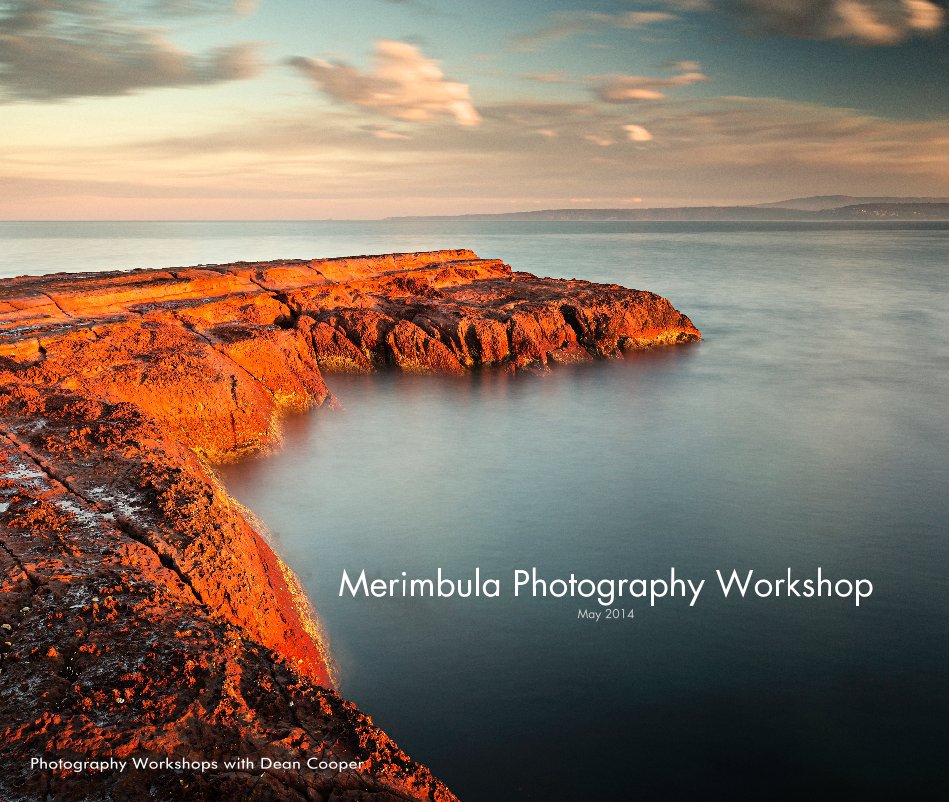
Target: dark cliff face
142, 613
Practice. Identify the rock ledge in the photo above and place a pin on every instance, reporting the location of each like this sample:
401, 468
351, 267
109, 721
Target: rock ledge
142, 615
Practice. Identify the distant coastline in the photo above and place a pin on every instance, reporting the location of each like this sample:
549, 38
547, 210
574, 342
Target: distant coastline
817, 208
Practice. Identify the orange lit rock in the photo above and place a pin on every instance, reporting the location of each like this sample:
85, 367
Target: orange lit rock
415, 351
142, 613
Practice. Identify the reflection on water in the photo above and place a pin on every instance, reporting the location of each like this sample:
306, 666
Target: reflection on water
807, 430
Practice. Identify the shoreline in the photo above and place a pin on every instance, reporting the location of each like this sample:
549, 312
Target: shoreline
147, 615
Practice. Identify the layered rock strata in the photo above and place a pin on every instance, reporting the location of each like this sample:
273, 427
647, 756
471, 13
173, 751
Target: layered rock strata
141, 613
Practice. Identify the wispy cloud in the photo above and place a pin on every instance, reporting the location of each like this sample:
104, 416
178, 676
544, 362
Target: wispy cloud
866, 22
631, 88
682, 151
381, 132
598, 139
404, 84
554, 77
183, 8
685, 5
567, 24
683, 66
637, 133
57, 49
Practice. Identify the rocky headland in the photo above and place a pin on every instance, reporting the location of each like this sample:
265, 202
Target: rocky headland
142, 614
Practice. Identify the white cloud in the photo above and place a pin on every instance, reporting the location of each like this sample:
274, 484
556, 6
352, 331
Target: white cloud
636, 133
404, 84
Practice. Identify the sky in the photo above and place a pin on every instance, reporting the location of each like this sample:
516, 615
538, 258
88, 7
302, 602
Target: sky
361, 109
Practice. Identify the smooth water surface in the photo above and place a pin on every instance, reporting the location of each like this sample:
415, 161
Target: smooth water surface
808, 429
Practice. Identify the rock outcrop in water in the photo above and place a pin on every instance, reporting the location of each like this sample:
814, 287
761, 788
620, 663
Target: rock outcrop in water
142, 615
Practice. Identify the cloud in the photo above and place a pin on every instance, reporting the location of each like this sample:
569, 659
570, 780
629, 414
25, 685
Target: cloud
801, 143
683, 66
404, 84
866, 22
57, 49
686, 5
569, 24
720, 146
636, 133
924, 15
631, 88
602, 141
709, 150
182, 8
381, 132
554, 77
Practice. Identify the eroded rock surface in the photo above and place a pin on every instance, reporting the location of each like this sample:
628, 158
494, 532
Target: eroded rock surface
141, 613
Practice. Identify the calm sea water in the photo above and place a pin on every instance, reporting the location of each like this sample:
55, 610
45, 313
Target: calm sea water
808, 430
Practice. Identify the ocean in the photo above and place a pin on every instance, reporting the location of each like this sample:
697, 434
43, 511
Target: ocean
807, 432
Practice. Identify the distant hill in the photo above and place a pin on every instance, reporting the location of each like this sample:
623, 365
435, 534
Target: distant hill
684, 213
818, 203
863, 209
